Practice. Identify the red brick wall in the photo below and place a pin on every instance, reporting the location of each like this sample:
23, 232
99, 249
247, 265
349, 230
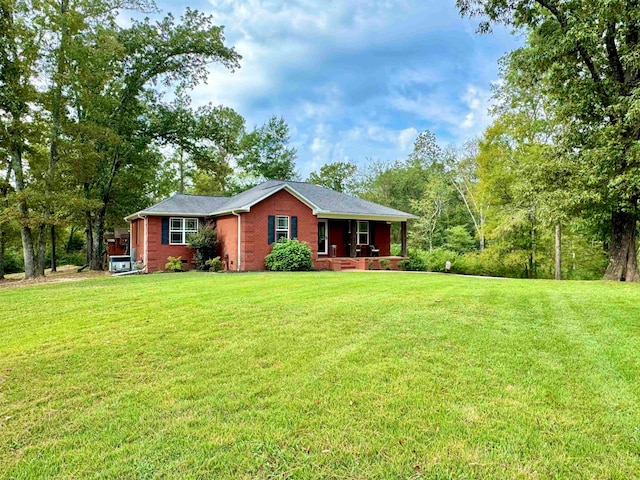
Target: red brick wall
255, 240
227, 229
157, 253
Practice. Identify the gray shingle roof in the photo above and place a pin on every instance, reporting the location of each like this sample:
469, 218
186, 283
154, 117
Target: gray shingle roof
330, 201
325, 200
186, 205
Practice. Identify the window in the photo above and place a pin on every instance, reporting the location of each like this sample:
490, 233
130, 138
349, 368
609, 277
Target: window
180, 228
282, 227
363, 233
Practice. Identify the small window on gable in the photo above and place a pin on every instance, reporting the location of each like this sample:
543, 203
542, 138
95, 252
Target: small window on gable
180, 229
282, 227
363, 233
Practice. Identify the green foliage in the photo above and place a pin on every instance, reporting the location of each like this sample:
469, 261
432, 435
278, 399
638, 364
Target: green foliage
214, 264
266, 154
385, 264
289, 256
203, 139
174, 264
437, 259
415, 263
581, 63
338, 176
205, 244
13, 261
459, 240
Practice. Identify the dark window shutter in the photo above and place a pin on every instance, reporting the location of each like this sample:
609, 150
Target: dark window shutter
294, 227
165, 230
272, 229
372, 231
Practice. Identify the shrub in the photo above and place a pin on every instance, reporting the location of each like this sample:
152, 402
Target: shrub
205, 244
396, 249
289, 256
214, 264
436, 259
174, 264
414, 264
370, 264
458, 239
385, 264
13, 261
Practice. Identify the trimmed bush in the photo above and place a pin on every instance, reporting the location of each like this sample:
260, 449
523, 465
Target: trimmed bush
205, 244
174, 264
289, 256
214, 264
385, 264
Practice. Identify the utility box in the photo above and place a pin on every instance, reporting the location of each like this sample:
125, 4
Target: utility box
120, 263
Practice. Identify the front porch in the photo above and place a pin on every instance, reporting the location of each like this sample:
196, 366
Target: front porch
357, 238
358, 244
338, 264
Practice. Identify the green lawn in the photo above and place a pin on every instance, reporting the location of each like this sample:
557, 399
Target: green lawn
320, 375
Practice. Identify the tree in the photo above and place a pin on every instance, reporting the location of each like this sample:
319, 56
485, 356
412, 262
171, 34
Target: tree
19, 54
586, 54
429, 209
463, 177
116, 99
338, 176
267, 154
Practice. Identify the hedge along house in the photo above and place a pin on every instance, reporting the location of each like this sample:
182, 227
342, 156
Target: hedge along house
342, 231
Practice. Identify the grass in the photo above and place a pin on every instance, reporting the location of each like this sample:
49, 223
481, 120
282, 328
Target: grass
319, 375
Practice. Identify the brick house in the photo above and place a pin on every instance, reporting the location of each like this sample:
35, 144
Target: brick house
343, 231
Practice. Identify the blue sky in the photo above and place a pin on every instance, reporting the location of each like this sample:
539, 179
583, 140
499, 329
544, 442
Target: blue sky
355, 80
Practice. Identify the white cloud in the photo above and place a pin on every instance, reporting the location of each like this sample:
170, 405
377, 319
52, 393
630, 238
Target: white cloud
354, 80
406, 138
478, 102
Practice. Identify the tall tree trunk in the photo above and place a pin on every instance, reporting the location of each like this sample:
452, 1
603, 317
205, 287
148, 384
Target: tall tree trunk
56, 119
181, 170
54, 260
3, 246
42, 250
623, 264
4, 190
95, 261
67, 248
558, 252
88, 231
25, 230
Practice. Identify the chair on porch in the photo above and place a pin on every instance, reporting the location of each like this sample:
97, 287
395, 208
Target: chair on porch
358, 251
374, 251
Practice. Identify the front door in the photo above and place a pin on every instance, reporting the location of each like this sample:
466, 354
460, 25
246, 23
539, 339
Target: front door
323, 237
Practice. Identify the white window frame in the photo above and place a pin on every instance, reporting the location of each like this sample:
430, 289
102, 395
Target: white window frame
282, 230
360, 232
182, 230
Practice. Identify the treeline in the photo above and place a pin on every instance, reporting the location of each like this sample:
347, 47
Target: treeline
96, 122
480, 207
